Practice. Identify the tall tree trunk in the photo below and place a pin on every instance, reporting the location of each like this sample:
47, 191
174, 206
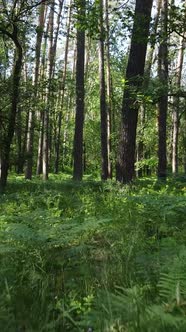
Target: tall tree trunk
163, 100
62, 93
134, 77
109, 90
176, 104
103, 105
80, 93
16, 75
31, 117
50, 65
40, 115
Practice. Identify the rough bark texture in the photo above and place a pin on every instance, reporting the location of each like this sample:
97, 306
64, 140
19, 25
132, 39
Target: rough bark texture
135, 70
80, 92
163, 100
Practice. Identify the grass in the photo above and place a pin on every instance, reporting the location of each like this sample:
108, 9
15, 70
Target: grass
75, 255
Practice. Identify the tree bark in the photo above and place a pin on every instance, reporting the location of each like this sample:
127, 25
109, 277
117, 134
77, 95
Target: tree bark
163, 100
31, 117
61, 97
176, 105
45, 160
134, 77
16, 75
80, 93
103, 105
109, 91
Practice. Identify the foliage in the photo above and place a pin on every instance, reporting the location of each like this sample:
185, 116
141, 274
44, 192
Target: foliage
92, 254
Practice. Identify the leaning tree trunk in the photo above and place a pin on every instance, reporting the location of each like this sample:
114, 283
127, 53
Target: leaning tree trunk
134, 76
163, 99
80, 93
16, 75
103, 105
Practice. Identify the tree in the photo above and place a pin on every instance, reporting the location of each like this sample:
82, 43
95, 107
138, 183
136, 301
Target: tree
163, 99
14, 97
134, 78
31, 117
80, 92
13, 15
103, 104
61, 94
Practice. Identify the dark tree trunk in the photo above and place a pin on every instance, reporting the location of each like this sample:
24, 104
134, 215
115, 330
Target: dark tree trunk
163, 100
5, 150
103, 105
80, 92
134, 74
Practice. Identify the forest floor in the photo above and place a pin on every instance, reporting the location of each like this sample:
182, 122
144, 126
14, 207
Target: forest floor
92, 254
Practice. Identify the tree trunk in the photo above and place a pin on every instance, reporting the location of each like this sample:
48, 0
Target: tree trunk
176, 106
5, 150
61, 97
40, 115
134, 75
103, 105
39, 168
80, 92
46, 124
31, 117
163, 100
109, 90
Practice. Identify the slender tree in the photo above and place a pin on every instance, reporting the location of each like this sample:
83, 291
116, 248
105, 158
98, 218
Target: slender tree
103, 104
109, 88
15, 83
163, 99
80, 93
62, 93
31, 117
50, 65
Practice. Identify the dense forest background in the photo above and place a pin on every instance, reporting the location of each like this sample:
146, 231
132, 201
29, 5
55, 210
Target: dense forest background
92, 87
92, 166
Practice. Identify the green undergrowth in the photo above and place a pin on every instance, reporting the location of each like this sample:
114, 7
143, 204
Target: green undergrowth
92, 254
